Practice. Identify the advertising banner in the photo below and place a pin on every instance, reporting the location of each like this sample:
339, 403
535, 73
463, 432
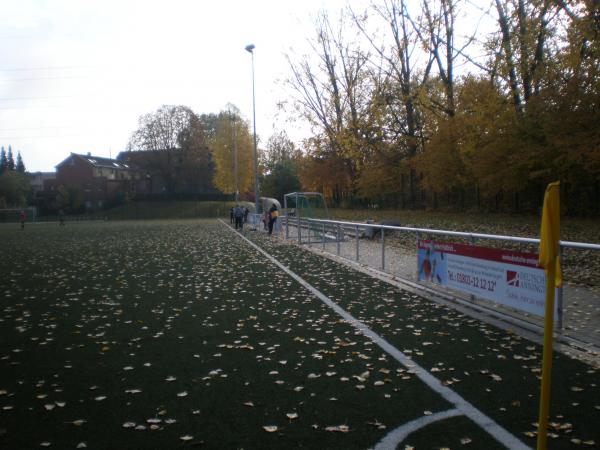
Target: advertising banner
505, 277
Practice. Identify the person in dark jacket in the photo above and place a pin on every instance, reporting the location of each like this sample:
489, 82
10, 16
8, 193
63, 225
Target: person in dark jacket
238, 214
273, 214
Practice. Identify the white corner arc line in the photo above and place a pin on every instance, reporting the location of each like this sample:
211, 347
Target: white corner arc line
395, 437
499, 433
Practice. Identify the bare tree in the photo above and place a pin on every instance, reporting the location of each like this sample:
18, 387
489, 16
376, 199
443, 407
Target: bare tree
524, 29
332, 94
170, 143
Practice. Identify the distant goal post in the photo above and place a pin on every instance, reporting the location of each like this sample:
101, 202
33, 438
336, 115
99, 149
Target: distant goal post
305, 204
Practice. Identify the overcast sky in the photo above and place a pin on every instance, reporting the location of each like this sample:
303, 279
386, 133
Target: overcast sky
76, 75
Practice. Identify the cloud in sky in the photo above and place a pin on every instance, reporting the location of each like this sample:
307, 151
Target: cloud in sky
75, 76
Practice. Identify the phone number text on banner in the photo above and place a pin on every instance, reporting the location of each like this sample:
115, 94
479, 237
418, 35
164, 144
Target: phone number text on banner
506, 277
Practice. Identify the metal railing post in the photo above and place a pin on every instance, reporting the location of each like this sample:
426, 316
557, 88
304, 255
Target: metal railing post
559, 296
418, 237
287, 217
356, 234
383, 249
338, 239
323, 235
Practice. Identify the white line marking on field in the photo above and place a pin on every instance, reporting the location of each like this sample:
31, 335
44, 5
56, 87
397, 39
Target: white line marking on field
487, 423
395, 437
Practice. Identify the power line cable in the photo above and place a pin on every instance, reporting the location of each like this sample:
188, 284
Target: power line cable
27, 69
10, 80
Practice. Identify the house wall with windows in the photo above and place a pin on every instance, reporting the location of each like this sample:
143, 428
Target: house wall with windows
99, 179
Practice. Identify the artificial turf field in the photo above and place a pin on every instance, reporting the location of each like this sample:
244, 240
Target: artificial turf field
174, 334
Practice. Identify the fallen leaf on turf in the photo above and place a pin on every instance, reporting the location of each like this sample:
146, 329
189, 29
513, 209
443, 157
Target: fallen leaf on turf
78, 422
82, 445
170, 378
100, 398
339, 428
186, 438
270, 428
248, 403
182, 394
129, 425
377, 424
49, 406
465, 441
292, 416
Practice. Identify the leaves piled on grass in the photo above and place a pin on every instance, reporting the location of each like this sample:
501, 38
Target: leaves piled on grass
495, 370
144, 334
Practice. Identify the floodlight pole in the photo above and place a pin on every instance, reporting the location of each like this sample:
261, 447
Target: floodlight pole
250, 49
235, 157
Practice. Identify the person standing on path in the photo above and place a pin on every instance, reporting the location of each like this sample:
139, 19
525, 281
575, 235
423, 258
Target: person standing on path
238, 214
273, 214
61, 218
231, 210
22, 219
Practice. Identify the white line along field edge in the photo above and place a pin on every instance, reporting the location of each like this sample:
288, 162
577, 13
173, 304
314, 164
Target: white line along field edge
461, 405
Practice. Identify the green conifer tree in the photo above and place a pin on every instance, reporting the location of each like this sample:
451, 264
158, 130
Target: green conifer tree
20, 165
10, 160
3, 161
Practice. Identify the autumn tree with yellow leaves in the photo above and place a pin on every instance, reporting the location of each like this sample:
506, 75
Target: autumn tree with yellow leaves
411, 107
230, 142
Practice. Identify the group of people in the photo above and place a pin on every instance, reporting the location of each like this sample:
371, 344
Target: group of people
238, 215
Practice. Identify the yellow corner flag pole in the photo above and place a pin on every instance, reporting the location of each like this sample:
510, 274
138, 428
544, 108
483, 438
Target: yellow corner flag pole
549, 260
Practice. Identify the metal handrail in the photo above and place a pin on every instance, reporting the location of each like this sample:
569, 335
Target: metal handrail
338, 225
498, 237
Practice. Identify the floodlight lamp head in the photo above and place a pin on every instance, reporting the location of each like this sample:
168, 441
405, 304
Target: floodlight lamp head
249, 48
